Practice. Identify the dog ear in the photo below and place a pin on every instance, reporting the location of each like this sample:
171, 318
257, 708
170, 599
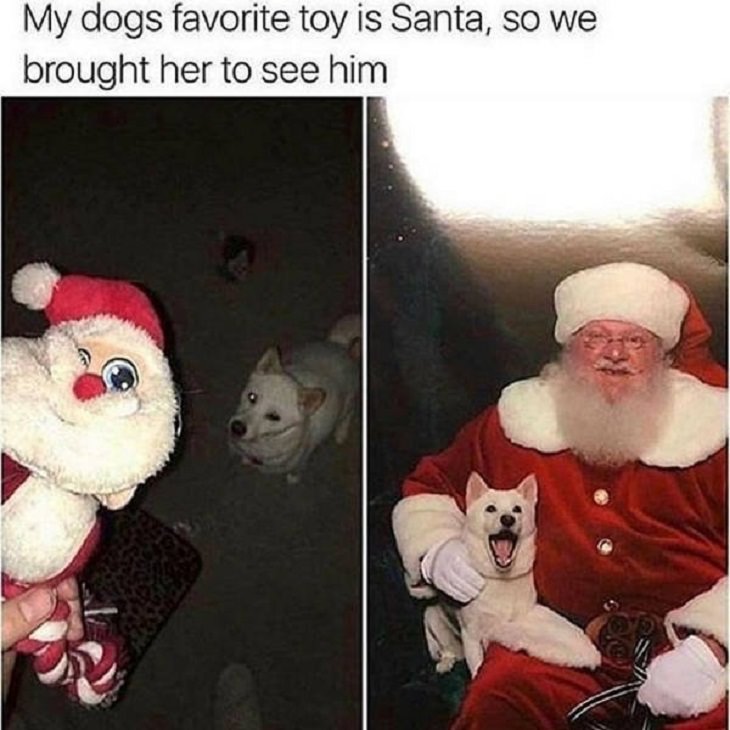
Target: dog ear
270, 362
354, 349
476, 487
528, 488
310, 399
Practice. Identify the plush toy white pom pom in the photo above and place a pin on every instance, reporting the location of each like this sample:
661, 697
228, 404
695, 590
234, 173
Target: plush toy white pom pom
33, 285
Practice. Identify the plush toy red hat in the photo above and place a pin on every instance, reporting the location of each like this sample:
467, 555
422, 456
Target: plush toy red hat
75, 297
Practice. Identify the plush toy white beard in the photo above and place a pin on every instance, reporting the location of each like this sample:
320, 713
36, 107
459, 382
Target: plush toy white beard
601, 432
99, 446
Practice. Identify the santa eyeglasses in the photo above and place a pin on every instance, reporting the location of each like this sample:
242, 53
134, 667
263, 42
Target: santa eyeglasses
601, 340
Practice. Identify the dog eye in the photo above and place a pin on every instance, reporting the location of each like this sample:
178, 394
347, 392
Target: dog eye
490, 508
85, 356
517, 509
273, 417
119, 374
252, 397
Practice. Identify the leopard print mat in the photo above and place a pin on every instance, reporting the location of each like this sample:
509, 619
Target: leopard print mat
144, 569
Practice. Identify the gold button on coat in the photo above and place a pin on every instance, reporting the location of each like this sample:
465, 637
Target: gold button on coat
600, 496
605, 546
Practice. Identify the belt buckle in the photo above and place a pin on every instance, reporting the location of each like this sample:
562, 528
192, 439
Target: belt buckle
616, 633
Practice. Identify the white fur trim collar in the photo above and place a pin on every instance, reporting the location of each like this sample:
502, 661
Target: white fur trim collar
696, 427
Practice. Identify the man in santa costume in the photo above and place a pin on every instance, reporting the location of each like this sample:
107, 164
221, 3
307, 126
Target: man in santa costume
626, 434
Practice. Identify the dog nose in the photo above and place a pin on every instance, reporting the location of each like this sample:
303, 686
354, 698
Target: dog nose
88, 386
507, 520
238, 428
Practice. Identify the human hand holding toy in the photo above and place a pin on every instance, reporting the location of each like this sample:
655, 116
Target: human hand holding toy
24, 614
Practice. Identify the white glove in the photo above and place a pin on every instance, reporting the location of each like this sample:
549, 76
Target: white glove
685, 681
447, 566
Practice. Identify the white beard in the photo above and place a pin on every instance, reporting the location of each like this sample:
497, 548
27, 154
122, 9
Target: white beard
602, 432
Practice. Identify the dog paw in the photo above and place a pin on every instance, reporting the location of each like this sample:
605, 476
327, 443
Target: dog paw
342, 430
546, 635
576, 654
446, 663
586, 655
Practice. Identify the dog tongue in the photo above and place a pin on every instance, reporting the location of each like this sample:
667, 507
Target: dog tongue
502, 550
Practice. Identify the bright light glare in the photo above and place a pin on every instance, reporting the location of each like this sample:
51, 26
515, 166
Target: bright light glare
561, 160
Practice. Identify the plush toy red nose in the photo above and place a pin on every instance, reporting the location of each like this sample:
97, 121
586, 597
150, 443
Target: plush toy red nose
88, 386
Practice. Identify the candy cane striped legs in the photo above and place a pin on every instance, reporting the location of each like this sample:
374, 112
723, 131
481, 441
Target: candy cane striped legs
90, 669
97, 673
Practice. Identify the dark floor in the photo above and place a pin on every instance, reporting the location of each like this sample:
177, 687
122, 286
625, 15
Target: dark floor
142, 190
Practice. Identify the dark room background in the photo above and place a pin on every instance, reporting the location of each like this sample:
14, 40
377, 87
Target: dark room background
147, 190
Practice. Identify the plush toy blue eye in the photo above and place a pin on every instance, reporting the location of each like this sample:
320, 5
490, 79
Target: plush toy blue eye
119, 375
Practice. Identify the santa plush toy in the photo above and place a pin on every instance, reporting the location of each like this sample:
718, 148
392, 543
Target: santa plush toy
89, 413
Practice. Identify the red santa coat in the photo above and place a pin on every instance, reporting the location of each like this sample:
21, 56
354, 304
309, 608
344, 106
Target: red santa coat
640, 537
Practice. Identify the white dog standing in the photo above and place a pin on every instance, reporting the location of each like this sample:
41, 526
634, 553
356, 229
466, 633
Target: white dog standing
500, 535
289, 407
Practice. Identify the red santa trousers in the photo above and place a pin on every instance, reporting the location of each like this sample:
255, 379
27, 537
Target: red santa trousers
513, 691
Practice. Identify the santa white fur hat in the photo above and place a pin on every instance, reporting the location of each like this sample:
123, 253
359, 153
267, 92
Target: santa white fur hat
76, 297
622, 291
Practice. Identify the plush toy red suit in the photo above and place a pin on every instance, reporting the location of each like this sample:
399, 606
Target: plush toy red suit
89, 413
648, 536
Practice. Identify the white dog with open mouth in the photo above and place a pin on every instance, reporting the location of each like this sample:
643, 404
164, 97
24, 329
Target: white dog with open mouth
288, 407
500, 535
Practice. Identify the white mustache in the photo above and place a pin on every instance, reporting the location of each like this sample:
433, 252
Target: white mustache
607, 365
